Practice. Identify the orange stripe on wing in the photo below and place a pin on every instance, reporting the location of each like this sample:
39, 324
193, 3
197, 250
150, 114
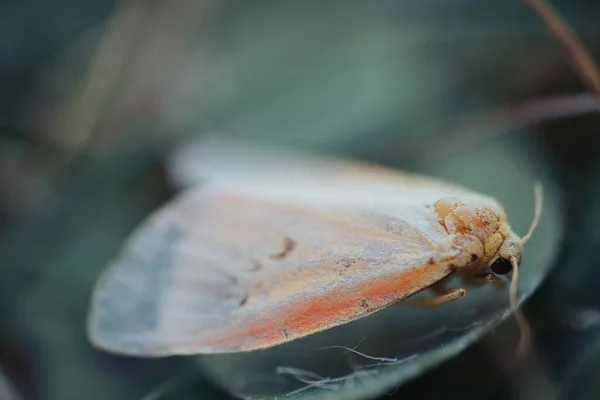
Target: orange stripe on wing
347, 303
325, 310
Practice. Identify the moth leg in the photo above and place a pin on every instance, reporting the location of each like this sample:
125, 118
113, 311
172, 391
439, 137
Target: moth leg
499, 284
442, 295
484, 279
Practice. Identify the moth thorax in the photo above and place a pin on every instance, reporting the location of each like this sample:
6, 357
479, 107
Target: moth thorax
471, 218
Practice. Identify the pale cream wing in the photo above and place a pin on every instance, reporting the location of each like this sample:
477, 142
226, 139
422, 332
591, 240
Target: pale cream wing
264, 170
222, 270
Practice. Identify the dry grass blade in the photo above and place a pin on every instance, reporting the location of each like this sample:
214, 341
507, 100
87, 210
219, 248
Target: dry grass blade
471, 129
578, 54
77, 122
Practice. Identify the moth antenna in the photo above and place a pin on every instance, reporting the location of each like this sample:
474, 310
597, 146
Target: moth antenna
525, 330
538, 192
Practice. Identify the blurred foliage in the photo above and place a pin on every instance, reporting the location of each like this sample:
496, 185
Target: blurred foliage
349, 77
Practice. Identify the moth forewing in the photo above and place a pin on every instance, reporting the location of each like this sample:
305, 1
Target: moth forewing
227, 267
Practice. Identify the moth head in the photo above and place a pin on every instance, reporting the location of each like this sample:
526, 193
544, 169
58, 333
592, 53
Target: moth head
510, 252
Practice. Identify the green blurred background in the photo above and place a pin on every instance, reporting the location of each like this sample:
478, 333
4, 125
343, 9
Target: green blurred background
82, 164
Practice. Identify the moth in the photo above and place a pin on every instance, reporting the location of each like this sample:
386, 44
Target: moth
272, 246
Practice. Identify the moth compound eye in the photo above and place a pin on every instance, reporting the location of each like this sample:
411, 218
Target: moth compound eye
501, 266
